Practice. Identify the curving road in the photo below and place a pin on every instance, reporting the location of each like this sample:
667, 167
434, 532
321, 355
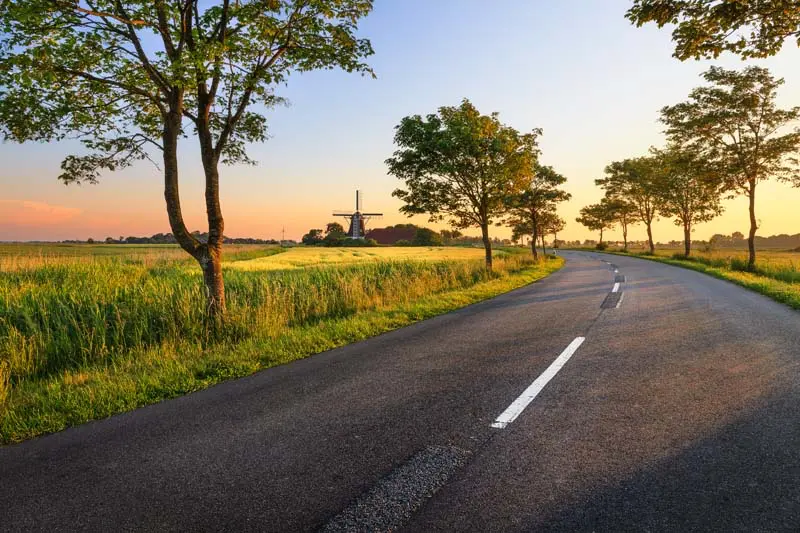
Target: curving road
678, 411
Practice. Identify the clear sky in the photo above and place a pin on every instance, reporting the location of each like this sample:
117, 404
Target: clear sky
575, 68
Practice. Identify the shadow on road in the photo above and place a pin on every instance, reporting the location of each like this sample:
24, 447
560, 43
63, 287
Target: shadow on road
743, 478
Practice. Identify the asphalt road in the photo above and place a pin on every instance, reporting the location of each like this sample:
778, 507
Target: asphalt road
680, 411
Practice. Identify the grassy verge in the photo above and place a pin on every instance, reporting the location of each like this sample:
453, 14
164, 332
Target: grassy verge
83, 342
768, 280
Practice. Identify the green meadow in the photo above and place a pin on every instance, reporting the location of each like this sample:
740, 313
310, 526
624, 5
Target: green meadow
90, 331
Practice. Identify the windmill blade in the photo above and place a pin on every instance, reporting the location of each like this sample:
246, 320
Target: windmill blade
371, 214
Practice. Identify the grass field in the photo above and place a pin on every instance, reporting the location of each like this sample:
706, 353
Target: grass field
777, 272
89, 332
301, 257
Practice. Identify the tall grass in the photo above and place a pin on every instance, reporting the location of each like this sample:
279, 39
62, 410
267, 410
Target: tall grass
60, 320
777, 265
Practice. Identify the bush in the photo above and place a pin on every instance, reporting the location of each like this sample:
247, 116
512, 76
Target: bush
402, 242
601, 246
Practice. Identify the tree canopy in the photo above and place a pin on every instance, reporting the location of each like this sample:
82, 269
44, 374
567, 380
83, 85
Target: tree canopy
527, 207
691, 191
597, 217
129, 78
706, 28
459, 165
636, 182
735, 124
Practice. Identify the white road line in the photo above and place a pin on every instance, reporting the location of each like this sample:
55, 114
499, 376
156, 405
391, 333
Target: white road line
527, 396
616, 271
616, 288
621, 296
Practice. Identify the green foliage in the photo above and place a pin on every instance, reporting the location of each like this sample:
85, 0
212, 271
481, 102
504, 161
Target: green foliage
635, 182
601, 246
734, 125
706, 28
86, 340
403, 242
597, 217
426, 237
531, 211
335, 228
314, 236
99, 75
692, 189
460, 165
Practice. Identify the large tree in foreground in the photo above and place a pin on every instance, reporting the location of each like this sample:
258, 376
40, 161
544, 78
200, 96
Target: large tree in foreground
635, 182
459, 165
691, 191
735, 124
540, 195
706, 28
130, 78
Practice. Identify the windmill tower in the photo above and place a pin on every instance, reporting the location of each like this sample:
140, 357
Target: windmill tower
357, 219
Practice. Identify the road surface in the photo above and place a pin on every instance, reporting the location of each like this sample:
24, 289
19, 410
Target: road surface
678, 410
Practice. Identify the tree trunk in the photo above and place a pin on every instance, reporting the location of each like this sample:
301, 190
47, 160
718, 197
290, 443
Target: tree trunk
625, 237
487, 245
650, 237
687, 239
198, 250
544, 250
751, 238
601, 235
211, 259
534, 250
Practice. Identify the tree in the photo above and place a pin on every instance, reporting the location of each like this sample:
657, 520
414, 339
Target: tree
460, 165
625, 214
692, 191
313, 236
635, 181
548, 222
129, 78
735, 125
426, 237
706, 28
555, 227
335, 228
541, 194
597, 217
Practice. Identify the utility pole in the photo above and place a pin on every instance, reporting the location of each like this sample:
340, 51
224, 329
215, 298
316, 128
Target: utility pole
283, 235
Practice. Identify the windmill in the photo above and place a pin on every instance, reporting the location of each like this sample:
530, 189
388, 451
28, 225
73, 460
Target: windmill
357, 219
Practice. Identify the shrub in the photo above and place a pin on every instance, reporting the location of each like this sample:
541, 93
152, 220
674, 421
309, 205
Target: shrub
601, 246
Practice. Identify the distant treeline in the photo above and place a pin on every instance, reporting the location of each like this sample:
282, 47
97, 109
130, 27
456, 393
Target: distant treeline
169, 238
735, 240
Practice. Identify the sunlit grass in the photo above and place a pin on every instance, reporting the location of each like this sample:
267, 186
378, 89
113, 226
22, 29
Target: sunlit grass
87, 339
301, 257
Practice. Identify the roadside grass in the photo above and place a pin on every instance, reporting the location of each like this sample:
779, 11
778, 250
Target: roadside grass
776, 274
83, 341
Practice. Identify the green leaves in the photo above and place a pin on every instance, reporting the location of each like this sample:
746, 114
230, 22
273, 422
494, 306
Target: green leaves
735, 123
460, 165
110, 72
706, 28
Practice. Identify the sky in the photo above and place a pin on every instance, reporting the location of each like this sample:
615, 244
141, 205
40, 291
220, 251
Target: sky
575, 68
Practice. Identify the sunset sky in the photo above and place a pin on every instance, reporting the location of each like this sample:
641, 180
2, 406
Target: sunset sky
576, 68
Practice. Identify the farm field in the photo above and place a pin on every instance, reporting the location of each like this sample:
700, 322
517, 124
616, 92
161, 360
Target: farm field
90, 331
301, 257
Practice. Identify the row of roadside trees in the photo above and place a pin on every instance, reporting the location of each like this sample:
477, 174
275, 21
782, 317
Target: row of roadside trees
726, 138
475, 172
